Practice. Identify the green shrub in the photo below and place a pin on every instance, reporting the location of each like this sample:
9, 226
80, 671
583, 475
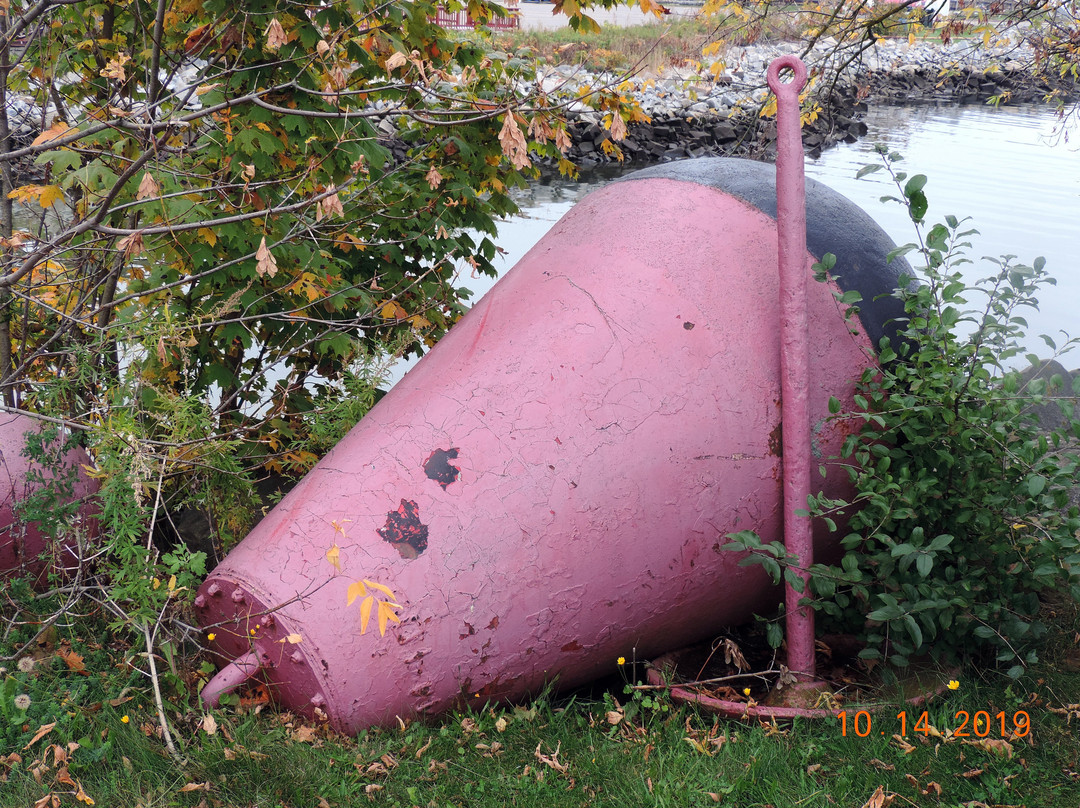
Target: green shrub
960, 522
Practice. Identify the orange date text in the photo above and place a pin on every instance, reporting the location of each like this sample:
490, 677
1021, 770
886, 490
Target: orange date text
965, 724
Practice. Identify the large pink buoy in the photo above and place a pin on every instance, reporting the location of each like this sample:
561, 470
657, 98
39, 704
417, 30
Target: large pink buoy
549, 489
33, 547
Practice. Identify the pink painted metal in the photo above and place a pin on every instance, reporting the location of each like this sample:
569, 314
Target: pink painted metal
549, 489
794, 267
25, 549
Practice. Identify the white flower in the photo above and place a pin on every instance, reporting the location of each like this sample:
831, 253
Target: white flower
26, 664
22, 702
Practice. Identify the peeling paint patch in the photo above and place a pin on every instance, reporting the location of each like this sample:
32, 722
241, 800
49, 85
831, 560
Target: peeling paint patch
776, 441
404, 530
572, 646
688, 326
438, 467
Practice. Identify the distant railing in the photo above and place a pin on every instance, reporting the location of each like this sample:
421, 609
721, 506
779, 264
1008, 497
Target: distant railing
461, 21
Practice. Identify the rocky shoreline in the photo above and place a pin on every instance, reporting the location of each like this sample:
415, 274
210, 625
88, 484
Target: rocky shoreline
694, 114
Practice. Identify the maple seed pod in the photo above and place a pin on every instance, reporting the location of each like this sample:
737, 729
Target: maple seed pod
551, 485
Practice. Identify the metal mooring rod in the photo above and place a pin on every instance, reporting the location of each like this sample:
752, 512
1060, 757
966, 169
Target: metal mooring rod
794, 349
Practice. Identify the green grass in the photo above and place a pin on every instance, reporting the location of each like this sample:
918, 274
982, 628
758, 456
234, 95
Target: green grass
554, 752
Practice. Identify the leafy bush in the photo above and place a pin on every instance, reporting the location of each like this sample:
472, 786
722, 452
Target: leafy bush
961, 519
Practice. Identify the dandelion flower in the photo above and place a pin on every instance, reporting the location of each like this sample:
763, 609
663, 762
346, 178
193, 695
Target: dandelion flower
211, 636
22, 702
746, 691
124, 719
26, 664
954, 685
620, 661
252, 632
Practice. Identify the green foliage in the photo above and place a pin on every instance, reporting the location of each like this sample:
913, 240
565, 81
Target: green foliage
960, 520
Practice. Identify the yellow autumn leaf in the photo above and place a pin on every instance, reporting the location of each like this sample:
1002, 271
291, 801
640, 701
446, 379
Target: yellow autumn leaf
52, 133
911, 38
50, 195
172, 582
386, 612
294, 639
380, 587
393, 311
355, 591
207, 235
333, 555
365, 612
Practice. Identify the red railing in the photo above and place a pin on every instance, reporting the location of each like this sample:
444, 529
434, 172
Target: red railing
461, 21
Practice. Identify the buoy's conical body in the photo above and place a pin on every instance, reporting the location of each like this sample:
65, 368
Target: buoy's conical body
550, 488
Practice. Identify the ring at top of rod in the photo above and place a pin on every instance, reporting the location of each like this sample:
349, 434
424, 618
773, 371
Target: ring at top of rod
787, 88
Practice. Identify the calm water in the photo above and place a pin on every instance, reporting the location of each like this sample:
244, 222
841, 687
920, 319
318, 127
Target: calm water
1013, 171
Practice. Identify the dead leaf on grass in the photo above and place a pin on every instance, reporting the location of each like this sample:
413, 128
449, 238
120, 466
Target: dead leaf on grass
552, 760
41, 733
994, 745
209, 724
905, 747
880, 799
882, 766
970, 773
194, 787
304, 734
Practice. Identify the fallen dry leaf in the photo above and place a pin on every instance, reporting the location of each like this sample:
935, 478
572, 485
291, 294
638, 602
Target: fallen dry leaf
194, 787
994, 745
209, 724
885, 767
970, 773
552, 760
905, 747
931, 788
880, 798
305, 734
41, 733
73, 660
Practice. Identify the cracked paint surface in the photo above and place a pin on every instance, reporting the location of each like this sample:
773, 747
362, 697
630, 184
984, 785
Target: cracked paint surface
22, 544
611, 404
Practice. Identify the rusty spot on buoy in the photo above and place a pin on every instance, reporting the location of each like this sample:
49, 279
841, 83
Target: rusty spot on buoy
572, 646
438, 467
404, 530
776, 441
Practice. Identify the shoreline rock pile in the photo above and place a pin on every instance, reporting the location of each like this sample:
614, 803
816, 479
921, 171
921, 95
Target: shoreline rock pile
694, 114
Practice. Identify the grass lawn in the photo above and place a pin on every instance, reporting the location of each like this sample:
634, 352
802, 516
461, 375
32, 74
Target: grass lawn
604, 748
